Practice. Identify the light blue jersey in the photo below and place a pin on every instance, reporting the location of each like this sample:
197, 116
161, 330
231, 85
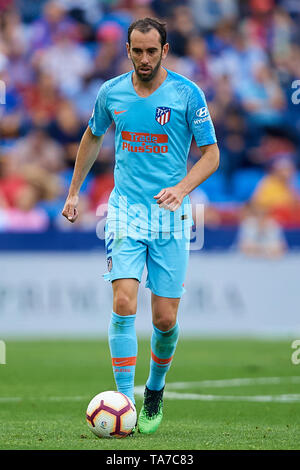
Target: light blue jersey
152, 141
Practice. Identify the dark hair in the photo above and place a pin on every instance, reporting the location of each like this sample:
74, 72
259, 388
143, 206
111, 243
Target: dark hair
146, 24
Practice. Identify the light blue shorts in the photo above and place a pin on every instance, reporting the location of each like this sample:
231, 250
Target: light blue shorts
165, 255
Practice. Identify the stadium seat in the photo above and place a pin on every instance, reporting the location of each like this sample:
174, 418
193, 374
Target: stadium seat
297, 181
215, 188
245, 182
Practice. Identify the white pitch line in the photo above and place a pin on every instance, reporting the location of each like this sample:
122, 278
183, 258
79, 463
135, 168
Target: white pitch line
58, 399
139, 390
223, 383
233, 382
76, 398
285, 398
288, 398
10, 399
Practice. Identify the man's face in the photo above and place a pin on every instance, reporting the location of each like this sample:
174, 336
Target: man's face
146, 53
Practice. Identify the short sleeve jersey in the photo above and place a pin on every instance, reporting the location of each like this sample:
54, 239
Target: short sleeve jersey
152, 141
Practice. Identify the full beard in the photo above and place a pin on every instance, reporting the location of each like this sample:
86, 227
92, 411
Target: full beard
151, 75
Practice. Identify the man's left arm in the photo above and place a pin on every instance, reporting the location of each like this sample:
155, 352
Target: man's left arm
171, 198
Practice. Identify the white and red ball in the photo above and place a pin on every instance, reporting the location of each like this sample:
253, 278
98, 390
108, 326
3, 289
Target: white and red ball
111, 414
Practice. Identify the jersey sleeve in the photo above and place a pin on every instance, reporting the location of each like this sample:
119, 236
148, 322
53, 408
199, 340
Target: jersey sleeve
199, 120
101, 118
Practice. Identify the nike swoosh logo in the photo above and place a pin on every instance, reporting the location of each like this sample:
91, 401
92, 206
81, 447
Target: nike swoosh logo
120, 112
120, 363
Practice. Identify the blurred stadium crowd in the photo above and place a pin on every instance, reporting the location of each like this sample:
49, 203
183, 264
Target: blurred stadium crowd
54, 55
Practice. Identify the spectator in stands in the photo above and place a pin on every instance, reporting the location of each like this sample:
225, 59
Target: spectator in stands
276, 190
11, 180
258, 24
68, 74
282, 33
22, 212
66, 128
84, 100
14, 45
43, 30
88, 11
272, 145
182, 28
262, 97
197, 63
259, 234
110, 50
209, 13
25, 216
40, 99
141, 9
239, 60
164, 8
39, 149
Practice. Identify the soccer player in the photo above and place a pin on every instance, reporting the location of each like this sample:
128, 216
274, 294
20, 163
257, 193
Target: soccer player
156, 113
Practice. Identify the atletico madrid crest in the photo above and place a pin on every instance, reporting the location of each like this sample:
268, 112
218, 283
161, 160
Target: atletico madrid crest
163, 115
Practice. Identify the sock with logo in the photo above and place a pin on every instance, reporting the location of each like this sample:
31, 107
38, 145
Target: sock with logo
163, 345
123, 348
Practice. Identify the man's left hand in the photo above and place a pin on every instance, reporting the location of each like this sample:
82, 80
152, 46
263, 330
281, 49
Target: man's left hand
170, 198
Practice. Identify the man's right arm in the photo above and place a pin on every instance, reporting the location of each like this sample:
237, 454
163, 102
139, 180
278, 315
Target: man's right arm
87, 153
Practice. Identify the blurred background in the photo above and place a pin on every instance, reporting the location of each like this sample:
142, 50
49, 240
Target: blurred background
54, 56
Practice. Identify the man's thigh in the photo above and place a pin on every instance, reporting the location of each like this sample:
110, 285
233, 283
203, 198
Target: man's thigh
167, 262
125, 256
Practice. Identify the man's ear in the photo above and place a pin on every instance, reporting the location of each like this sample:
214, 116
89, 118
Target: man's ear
128, 50
165, 50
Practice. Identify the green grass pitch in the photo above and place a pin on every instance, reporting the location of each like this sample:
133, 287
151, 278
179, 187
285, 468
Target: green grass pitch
46, 386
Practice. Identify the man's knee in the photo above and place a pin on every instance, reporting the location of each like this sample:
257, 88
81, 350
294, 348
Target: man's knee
164, 312
124, 304
125, 296
165, 321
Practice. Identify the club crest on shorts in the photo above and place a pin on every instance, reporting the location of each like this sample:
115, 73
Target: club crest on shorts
162, 115
109, 263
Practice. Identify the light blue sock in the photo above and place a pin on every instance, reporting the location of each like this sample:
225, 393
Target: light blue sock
163, 345
123, 348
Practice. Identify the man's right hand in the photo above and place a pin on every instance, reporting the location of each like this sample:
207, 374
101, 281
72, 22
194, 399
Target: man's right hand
70, 208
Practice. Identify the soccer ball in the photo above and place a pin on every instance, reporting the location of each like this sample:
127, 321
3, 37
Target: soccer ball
111, 414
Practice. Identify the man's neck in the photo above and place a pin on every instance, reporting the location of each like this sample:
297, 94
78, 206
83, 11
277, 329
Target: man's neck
145, 89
